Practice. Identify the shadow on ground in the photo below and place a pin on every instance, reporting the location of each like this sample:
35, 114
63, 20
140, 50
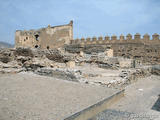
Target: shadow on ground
119, 115
156, 106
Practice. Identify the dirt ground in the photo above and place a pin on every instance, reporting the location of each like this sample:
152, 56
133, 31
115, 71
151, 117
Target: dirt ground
27, 96
141, 102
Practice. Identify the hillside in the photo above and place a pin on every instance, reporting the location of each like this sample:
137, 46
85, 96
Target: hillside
5, 45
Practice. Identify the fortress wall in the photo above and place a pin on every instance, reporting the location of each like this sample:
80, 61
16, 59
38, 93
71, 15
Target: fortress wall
143, 48
155, 39
146, 39
24, 38
88, 41
45, 38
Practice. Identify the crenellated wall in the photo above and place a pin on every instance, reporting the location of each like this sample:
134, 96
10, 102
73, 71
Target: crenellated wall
136, 47
146, 39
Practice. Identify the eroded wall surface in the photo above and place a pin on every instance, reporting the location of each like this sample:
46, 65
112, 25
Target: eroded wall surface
45, 38
143, 48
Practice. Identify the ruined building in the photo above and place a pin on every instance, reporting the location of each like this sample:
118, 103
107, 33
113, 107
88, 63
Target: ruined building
45, 38
144, 48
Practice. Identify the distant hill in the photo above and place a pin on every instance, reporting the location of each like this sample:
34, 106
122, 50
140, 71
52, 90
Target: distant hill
5, 45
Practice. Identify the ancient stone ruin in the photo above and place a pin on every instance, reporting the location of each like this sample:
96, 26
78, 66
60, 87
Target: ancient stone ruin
45, 38
144, 49
48, 67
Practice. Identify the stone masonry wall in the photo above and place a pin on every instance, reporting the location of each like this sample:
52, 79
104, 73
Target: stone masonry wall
122, 39
144, 49
45, 38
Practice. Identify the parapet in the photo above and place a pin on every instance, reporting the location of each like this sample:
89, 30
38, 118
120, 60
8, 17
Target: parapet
146, 39
129, 37
121, 37
155, 36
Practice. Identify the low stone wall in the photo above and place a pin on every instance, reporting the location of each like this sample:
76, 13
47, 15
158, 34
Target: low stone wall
126, 63
91, 111
139, 73
65, 74
148, 54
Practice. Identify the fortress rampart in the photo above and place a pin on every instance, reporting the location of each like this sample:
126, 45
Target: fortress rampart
145, 49
146, 39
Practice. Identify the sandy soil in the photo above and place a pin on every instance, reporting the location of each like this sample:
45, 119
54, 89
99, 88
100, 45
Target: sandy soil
26, 96
138, 103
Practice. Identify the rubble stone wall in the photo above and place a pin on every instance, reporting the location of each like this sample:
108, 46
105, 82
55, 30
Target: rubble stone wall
45, 38
144, 49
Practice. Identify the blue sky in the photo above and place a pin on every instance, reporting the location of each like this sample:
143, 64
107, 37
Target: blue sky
91, 17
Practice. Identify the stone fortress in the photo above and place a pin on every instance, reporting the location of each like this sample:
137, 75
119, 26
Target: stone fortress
45, 38
145, 49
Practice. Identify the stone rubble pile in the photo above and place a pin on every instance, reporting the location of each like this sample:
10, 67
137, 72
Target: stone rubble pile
122, 79
101, 59
155, 70
66, 74
6, 55
60, 64
31, 59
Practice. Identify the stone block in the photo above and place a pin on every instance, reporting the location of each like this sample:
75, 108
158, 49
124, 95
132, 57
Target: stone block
109, 53
125, 63
70, 64
81, 53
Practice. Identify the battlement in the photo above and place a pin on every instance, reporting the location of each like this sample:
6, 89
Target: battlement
146, 39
